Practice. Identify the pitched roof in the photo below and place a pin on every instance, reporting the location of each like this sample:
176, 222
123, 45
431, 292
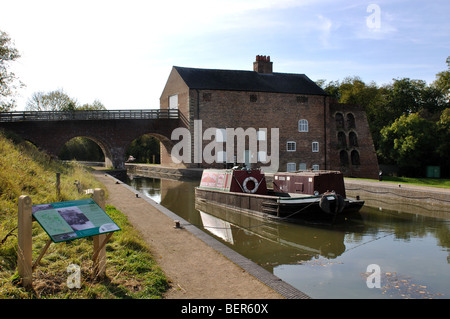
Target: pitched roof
233, 80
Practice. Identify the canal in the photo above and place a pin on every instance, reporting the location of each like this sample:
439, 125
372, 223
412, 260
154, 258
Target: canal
377, 253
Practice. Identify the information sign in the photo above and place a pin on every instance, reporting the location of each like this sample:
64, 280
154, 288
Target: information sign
70, 220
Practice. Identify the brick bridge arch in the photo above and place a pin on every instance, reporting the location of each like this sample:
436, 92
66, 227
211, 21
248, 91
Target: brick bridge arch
113, 135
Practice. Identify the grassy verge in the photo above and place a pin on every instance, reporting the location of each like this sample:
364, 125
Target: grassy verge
433, 182
131, 271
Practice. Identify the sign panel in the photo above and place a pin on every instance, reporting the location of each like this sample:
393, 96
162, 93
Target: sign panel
64, 221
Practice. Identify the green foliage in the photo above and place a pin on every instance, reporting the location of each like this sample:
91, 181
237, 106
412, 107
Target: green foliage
81, 149
408, 119
59, 100
9, 83
143, 149
409, 142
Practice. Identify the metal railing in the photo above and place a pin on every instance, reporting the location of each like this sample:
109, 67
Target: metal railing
89, 115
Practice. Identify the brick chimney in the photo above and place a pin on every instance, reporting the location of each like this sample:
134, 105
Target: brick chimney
263, 64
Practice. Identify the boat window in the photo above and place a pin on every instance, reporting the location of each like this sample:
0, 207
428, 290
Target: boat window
303, 125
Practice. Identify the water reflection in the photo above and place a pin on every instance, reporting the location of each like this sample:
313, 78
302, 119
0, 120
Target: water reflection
412, 250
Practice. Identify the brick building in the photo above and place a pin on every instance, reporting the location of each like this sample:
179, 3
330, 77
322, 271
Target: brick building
314, 132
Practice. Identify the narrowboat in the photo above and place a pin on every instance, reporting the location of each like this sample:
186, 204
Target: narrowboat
305, 195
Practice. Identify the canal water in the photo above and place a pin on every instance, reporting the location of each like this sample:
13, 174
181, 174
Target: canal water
377, 253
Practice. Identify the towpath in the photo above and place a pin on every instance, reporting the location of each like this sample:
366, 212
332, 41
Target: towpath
195, 269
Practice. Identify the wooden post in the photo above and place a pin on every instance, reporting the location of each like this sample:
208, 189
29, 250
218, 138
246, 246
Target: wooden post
99, 257
58, 186
24, 239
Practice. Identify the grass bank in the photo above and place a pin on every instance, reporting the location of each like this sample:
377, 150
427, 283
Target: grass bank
432, 182
131, 271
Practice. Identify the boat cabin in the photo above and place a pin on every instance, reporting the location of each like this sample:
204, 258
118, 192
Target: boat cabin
309, 182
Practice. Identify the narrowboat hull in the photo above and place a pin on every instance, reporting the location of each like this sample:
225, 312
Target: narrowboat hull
281, 206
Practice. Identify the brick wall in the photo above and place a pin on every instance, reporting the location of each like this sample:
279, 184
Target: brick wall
234, 109
351, 139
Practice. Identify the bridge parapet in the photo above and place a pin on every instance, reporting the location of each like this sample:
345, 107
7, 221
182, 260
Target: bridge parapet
89, 115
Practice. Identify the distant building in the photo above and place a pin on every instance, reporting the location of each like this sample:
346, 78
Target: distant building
314, 132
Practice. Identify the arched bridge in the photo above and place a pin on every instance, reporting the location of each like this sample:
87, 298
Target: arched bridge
112, 130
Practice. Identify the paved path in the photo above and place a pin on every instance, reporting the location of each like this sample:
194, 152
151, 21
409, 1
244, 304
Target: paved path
195, 269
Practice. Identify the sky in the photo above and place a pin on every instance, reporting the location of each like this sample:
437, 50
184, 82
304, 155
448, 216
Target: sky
121, 52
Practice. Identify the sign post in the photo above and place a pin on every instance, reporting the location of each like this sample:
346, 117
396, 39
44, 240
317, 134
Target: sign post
24, 239
99, 257
64, 221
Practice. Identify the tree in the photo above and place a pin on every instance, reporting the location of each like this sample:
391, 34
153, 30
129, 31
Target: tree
9, 83
56, 100
410, 142
96, 105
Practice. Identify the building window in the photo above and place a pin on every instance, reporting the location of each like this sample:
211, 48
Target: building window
339, 121
350, 121
302, 166
291, 146
261, 135
343, 158
302, 99
253, 98
355, 157
353, 139
315, 167
315, 147
291, 167
303, 125
342, 140
173, 102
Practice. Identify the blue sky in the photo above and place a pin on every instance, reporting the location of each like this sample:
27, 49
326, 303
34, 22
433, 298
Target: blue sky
121, 52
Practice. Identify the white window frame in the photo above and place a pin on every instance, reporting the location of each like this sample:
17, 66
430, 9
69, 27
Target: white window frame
289, 167
315, 147
293, 147
173, 102
315, 167
303, 125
